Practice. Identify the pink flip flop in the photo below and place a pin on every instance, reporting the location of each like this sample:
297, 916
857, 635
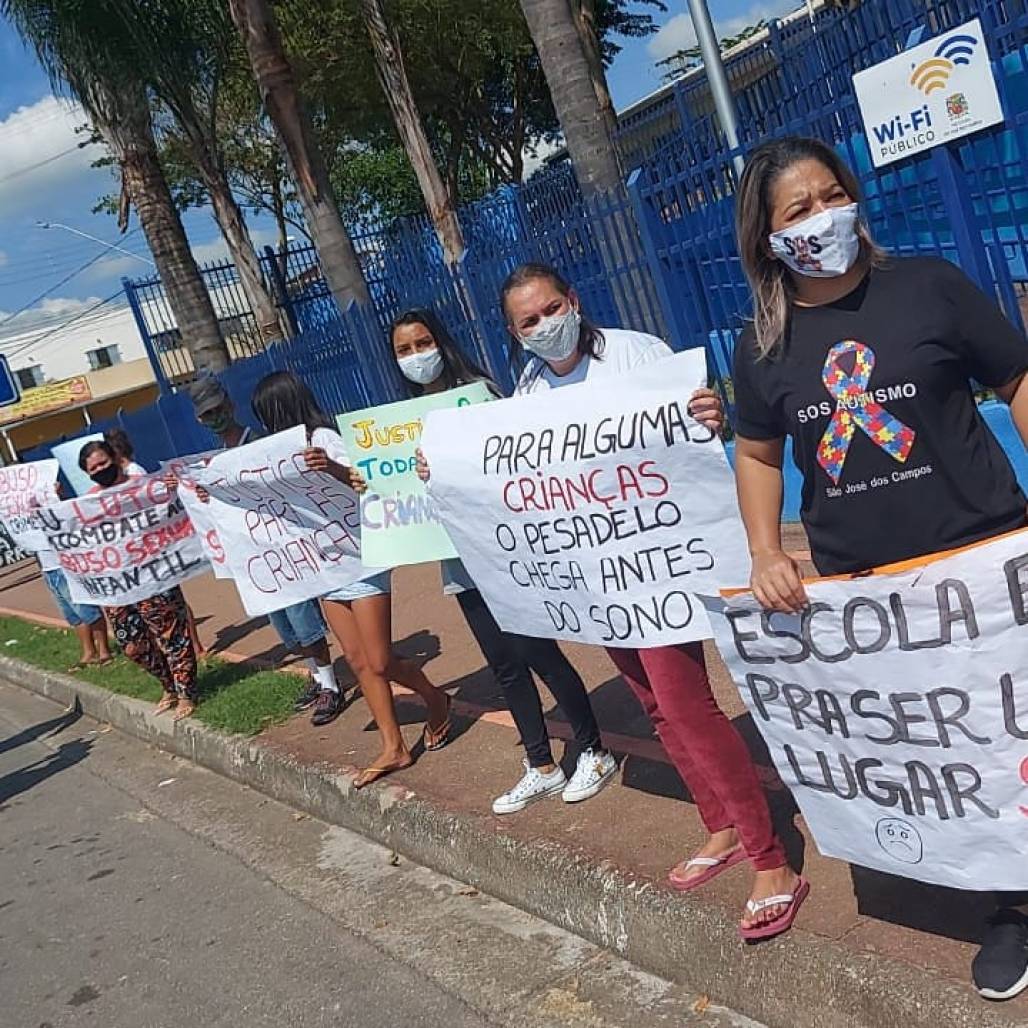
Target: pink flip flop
714, 866
784, 921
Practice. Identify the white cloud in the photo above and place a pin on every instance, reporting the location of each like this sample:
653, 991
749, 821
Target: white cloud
216, 250
678, 33
116, 266
53, 311
40, 153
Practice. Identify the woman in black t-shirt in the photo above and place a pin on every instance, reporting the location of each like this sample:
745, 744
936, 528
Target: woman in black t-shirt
866, 362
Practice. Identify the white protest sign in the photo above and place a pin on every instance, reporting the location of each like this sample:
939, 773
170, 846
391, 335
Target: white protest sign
24, 489
124, 544
930, 94
593, 512
896, 709
288, 533
67, 455
185, 470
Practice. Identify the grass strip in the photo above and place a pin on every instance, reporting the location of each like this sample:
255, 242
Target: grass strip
234, 698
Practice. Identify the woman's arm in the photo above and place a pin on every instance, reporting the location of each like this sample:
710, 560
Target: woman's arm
317, 459
775, 577
1015, 394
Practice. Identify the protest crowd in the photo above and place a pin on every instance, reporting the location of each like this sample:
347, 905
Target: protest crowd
610, 516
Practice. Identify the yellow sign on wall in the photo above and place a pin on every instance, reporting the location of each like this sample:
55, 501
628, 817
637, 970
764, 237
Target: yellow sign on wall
45, 398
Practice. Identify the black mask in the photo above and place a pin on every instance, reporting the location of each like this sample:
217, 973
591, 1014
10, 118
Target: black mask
107, 476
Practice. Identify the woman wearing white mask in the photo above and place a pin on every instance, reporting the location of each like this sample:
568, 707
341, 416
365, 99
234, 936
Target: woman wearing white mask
563, 347
432, 362
866, 362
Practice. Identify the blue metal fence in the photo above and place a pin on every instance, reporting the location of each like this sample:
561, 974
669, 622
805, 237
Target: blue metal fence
662, 255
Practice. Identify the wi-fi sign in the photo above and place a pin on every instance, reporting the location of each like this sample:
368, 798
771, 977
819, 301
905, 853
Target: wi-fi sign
958, 49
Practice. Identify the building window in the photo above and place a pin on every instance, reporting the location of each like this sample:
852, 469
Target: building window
103, 357
165, 342
30, 377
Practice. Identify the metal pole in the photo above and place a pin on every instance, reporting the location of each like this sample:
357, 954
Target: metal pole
716, 77
95, 239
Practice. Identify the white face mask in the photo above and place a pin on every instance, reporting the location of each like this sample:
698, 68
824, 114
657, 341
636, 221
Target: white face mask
422, 368
555, 338
825, 245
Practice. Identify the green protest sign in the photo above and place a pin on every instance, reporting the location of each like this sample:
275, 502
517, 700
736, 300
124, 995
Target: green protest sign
398, 522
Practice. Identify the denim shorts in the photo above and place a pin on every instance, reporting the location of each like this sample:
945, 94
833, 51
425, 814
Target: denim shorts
375, 585
74, 613
299, 625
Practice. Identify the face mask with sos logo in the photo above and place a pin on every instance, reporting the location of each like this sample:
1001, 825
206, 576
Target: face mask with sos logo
825, 245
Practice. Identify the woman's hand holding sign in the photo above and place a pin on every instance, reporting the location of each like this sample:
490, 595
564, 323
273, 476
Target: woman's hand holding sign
776, 582
318, 460
421, 468
705, 406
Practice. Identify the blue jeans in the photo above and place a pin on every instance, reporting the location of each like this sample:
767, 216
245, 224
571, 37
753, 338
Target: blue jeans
74, 613
299, 625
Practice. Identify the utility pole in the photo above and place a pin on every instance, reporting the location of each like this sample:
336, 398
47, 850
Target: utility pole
716, 77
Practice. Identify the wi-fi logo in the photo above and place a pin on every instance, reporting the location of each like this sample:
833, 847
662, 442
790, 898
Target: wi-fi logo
958, 49
932, 74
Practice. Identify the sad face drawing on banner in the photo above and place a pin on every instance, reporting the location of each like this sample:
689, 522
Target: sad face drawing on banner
854, 408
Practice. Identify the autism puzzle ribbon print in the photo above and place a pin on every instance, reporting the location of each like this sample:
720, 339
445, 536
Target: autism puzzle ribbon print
855, 409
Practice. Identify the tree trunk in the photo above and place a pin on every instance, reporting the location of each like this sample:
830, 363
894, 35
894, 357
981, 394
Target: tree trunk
592, 147
393, 77
132, 143
585, 21
281, 98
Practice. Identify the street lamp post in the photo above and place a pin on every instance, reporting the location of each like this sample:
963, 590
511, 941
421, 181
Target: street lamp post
95, 239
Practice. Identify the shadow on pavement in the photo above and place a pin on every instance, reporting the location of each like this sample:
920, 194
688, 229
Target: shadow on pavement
67, 755
42, 730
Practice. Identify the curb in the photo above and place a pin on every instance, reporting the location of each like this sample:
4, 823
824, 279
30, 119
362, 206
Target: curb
800, 981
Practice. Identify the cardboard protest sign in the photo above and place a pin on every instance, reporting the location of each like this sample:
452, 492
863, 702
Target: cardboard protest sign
10, 552
399, 523
67, 455
594, 512
288, 533
124, 544
24, 489
896, 709
185, 470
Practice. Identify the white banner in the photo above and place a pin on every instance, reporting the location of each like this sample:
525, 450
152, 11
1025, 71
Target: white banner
594, 512
124, 544
288, 533
67, 454
185, 470
896, 709
24, 489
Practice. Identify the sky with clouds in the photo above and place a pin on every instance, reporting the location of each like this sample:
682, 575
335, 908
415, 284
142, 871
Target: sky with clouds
46, 175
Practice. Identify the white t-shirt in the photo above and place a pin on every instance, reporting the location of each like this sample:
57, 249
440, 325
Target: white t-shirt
622, 351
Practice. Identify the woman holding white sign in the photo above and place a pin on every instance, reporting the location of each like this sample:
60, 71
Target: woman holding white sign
432, 362
360, 614
153, 633
546, 323
866, 362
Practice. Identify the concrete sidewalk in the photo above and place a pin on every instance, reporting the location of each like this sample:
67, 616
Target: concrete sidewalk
865, 939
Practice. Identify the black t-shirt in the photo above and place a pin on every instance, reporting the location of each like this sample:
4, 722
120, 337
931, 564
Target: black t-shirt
875, 392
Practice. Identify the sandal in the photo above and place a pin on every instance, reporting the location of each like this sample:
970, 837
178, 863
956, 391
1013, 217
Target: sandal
436, 738
166, 702
769, 929
373, 774
714, 866
185, 709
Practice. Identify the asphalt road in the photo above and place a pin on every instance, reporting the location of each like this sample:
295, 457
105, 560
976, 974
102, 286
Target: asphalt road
137, 891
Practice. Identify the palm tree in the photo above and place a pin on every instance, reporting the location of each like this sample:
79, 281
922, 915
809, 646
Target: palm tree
396, 86
83, 52
585, 21
587, 131
183, 50
256, 24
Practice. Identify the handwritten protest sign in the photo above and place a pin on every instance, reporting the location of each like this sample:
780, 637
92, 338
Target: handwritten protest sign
24, 489
288, 533
185, 470
593, 513
68, 456
399, 523
896, 709
10, 552
125, 543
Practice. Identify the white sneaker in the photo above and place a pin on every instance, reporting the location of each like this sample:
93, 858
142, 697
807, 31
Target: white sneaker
595, 768
533, 786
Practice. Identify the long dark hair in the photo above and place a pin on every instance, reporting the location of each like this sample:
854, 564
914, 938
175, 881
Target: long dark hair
772, 285
117, 439
590, 338
458, 369
94, 446
282, 400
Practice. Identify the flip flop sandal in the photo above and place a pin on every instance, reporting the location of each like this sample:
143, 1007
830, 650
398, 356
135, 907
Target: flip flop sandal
436, 738
373, 774
186, 709
166, 702
783, 922
714, 866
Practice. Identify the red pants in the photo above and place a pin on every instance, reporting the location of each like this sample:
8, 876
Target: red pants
671, 683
